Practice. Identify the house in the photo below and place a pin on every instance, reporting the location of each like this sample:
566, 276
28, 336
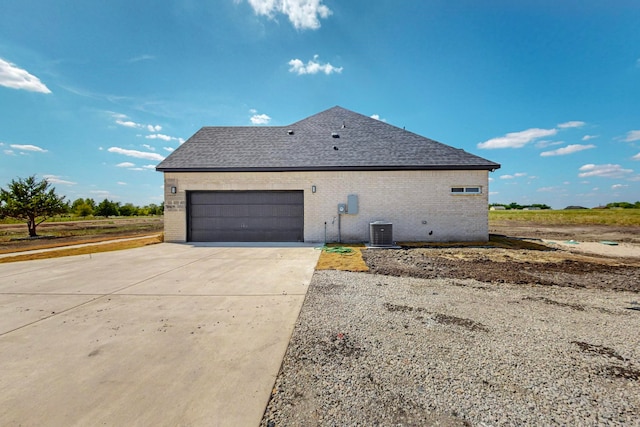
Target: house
325, 178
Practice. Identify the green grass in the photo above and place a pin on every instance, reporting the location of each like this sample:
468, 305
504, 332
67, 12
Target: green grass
616, 217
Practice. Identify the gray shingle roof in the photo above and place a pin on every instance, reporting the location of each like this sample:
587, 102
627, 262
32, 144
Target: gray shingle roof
359, 143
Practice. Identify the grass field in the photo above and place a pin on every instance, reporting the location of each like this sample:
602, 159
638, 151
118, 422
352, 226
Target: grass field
614, 217
13, 231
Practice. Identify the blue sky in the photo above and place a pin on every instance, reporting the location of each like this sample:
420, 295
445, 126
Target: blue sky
94, 94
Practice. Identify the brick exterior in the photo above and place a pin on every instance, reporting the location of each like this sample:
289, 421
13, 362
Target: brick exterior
407, 199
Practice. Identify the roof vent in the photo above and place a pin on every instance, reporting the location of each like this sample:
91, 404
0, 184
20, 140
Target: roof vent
290, 132
335, 148
335, 135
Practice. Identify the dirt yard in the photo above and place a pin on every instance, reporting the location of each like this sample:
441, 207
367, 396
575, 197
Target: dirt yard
556, 255
586, 233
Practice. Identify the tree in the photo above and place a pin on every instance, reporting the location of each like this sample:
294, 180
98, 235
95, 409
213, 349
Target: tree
31, 200
82, 207
152, 209
107, 208
128, 209
540, 206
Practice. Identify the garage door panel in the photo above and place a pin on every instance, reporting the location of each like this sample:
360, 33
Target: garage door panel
246, 216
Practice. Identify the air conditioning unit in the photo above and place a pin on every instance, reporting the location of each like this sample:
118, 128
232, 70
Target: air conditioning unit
381, 233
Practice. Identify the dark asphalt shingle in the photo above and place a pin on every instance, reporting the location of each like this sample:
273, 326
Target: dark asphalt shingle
363, 143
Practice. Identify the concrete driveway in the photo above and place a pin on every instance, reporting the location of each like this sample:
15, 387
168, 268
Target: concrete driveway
168, 334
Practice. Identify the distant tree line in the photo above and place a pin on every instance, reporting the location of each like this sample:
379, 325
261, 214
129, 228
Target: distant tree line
615, 205
516, 206
88, 207
624, 205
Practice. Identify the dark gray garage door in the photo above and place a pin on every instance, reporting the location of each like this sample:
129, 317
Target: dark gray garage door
246, 216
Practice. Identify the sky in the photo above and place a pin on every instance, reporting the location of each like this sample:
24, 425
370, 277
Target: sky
94, 94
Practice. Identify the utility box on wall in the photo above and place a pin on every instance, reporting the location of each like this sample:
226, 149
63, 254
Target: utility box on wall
352, 204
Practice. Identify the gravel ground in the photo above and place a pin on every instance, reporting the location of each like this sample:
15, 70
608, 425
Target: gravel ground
402, 351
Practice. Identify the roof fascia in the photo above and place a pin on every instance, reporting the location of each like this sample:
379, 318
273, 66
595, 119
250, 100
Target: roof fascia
491, 168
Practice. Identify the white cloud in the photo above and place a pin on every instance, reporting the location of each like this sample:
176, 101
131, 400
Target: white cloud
16, 78
149, 147
162, 137
121, 183
605, 171
125, 165
55, 179
633, 135
312, 67
136, 153
588, 137
377, 117
28, 147
253, 111
569, 149
574, 124
545, 143
122, 120
303, 14
103, 193
169, 149
517, 139
128, 124
9, 152
142, 58
636, 157
514, 176
152, 167
548, 189
520, 139
618, 186
260, 119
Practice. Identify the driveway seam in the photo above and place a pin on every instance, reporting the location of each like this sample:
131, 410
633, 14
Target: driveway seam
91, 300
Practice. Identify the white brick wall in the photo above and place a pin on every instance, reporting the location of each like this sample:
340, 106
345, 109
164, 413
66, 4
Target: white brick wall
404, 198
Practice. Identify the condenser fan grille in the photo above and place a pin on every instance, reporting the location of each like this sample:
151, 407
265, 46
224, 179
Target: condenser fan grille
381, 233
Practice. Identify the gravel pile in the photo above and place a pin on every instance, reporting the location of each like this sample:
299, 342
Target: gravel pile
393, 351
